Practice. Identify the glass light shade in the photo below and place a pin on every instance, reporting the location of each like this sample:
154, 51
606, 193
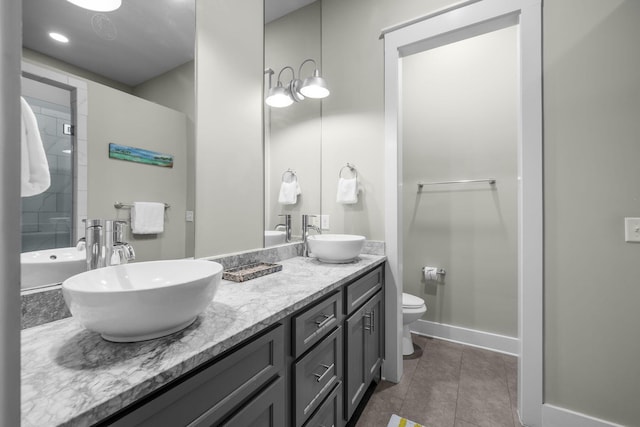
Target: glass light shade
98, 5
314, 87
278, 97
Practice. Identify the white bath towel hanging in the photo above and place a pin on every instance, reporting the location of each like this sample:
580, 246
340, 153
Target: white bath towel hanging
147, 218
289, 192
35, 177
347, 191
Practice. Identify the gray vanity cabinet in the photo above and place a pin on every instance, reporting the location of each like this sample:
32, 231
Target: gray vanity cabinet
363, 355
309, 370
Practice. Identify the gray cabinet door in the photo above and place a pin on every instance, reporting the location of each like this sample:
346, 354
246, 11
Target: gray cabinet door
264, 410
373, 337
363, 355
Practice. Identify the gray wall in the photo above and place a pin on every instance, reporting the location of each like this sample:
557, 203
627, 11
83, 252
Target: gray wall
353, 116
293, 134
47, 61
229, 133
591, 110
459, 104
176, 89
10, 41
117, 117
592, 147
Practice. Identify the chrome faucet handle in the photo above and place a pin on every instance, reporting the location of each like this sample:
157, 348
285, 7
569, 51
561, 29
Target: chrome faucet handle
118, 231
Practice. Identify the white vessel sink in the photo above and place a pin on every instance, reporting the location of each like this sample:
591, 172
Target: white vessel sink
142, 301
274, 237
49, 266
335, 248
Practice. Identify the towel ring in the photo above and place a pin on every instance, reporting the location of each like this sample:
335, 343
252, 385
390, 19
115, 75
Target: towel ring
292, 173
351, 167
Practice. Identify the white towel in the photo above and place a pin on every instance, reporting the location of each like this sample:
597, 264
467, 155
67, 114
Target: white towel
147, 218
347, 191
35, 178
289, 192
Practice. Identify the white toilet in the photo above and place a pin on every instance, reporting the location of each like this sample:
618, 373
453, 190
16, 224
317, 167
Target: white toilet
412, 309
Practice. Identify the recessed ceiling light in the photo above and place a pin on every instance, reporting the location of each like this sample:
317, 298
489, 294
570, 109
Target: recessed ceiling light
98, 5
59, 37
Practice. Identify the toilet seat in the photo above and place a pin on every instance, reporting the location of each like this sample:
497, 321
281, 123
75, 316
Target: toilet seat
411, 301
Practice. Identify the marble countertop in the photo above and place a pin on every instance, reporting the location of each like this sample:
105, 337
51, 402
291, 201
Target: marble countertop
72, 377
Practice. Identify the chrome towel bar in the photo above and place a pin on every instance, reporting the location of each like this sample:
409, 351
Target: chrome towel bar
491, 181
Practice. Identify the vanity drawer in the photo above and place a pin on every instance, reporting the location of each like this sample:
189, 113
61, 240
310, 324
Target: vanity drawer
360, 290
316, 375
213, 391
330, 413
312, 325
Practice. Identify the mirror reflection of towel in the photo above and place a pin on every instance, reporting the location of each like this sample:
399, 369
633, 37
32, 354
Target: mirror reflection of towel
347, 191
147, 218
289, 192
35, 178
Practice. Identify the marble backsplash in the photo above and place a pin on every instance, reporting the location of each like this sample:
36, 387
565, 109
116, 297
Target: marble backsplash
44, 305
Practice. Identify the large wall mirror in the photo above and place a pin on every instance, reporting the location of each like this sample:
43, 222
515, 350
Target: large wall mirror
293, 140
134, 68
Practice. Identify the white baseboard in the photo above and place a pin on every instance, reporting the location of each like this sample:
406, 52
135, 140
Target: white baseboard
494, 342
553, 416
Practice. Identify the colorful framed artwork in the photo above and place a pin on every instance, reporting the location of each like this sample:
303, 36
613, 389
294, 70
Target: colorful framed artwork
140, 155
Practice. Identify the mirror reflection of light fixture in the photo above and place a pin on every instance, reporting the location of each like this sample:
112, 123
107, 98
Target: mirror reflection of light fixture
98, 5
296, 90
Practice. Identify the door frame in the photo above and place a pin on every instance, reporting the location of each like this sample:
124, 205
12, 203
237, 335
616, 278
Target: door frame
459, 22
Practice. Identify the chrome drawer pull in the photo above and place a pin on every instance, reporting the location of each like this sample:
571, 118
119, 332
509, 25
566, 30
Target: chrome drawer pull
327, 369
327, 319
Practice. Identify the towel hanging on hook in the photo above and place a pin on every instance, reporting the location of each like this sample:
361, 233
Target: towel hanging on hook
347, 187
289, 190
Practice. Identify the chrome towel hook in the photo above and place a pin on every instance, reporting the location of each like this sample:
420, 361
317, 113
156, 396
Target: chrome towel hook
292, 175
351, 167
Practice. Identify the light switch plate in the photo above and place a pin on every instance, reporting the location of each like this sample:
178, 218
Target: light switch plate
324, 222
632, 229
188, 216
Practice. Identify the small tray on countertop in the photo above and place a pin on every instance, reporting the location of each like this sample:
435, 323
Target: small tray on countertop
250, 271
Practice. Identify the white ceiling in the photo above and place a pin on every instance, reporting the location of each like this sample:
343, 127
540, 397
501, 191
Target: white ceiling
141, 40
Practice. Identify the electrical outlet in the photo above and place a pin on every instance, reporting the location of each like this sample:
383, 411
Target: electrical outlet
315, 221
188, 216
632, 229
324, 222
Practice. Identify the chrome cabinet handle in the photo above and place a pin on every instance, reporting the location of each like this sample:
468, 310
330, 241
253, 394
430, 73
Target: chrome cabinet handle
319, 377
373, 321
367, 327
327, 318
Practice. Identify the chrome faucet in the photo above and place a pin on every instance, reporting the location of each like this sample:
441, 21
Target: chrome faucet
104, 245
305, 230
286, 225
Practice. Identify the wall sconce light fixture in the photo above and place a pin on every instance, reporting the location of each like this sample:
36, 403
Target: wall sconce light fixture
296, 90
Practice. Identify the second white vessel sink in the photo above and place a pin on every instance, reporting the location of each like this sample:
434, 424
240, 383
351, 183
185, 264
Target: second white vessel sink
142, 301
50, 266
335, 248
274, 237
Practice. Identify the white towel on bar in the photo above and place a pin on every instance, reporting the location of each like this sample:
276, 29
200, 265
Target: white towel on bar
347, 191
147, 218
289, 192
35, 177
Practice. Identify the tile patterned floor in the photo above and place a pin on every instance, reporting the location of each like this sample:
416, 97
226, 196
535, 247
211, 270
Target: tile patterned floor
448, 385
